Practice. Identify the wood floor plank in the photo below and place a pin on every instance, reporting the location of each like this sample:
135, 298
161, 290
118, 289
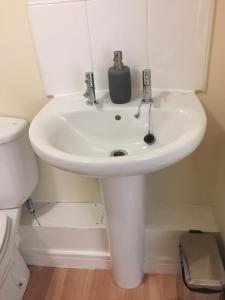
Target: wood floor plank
56, 285
154, 288
76, 284
104, 288
38, 284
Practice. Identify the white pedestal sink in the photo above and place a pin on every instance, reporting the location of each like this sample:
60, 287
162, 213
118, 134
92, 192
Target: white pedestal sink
79, 138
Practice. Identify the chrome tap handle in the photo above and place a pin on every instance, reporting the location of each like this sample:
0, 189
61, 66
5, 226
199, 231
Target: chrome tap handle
147, 86
90, 88
89, 80
146, 76
147, 91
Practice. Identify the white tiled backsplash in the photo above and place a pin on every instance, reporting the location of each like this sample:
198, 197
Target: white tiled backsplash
178, 35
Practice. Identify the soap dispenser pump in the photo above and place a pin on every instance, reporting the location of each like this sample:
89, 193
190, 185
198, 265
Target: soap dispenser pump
119, 80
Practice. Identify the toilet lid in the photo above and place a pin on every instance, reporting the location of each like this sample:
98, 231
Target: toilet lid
11, 129
3, 229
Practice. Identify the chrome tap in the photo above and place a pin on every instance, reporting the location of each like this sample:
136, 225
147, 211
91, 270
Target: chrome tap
147, 86
90, 89
147, 90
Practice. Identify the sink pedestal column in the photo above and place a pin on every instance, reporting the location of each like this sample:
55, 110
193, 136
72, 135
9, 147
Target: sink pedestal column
124, 199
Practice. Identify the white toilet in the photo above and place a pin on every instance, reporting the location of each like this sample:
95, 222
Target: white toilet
18, 178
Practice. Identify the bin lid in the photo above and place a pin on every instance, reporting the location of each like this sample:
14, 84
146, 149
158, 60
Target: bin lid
202, 263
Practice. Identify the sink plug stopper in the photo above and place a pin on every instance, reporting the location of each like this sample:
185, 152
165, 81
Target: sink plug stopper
149, 138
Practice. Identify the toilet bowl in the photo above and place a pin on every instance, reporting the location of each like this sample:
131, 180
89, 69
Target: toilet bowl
14, 274
18, 178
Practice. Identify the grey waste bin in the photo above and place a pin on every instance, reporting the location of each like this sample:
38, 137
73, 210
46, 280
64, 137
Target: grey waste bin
202, 273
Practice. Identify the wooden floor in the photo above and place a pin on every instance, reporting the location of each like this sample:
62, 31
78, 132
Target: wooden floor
74, 284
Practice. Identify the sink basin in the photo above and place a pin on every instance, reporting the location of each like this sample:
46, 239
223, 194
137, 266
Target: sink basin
73, 136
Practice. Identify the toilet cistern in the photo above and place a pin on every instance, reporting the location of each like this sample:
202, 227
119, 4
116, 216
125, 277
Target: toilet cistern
18, 177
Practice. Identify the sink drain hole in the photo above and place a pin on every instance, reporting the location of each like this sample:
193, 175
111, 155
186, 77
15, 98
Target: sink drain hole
117, 117
118, 153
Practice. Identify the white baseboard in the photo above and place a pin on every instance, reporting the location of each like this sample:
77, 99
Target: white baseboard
157, 265
68, 259
75, 236
92, 260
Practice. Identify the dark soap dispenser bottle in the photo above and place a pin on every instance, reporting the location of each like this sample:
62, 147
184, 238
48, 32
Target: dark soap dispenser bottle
119, 80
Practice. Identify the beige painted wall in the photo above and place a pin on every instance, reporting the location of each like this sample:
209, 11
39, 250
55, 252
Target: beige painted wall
21, 94
214, 101
56, 185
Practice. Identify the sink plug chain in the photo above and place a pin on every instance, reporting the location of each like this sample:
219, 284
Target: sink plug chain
149, 137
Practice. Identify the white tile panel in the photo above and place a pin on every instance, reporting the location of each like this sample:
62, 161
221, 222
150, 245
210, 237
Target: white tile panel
118, 25
179, 32
178, 42
60, 37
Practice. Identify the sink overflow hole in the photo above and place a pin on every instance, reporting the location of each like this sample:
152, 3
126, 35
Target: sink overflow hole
118, 117
118, 153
